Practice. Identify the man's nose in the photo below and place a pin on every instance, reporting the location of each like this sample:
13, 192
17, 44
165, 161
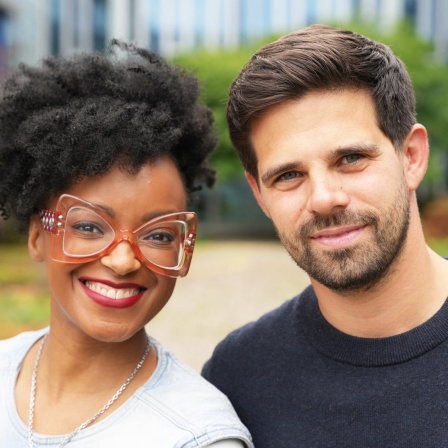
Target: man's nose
326, 194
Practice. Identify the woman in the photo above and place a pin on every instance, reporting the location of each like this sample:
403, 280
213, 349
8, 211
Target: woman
99, 154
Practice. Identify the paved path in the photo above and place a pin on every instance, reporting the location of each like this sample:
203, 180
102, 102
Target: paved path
229, 283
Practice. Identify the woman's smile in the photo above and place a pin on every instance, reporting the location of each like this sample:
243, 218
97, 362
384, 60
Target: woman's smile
112, 291
111, 297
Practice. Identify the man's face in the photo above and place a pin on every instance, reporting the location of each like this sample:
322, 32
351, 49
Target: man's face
334, 187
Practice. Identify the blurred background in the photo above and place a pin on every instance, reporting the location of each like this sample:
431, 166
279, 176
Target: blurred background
239, 270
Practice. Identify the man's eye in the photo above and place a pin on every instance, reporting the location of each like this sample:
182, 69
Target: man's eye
352, 158
290, 175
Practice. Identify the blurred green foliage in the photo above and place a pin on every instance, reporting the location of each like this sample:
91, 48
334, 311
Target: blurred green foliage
439, 245
216, 71
16, 266
25, 302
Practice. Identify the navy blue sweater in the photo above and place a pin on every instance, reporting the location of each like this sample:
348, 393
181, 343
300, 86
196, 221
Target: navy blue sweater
297, 382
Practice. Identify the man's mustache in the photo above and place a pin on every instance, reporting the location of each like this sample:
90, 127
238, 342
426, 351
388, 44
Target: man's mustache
340, 218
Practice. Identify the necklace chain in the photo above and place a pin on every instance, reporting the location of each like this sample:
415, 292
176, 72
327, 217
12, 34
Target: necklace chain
91, 419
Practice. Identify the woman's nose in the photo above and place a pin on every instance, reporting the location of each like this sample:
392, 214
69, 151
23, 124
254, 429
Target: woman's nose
121, 259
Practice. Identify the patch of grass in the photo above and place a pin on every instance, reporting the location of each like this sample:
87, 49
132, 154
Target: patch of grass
17, 267
24, 298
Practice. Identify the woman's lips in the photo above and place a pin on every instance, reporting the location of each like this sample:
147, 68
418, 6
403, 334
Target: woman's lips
337, 237
112, 295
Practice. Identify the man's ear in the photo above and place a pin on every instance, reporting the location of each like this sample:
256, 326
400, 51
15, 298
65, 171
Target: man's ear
415, 155
36, 239
256, 191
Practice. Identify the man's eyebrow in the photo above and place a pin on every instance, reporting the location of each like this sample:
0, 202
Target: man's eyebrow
280, 169
353, 149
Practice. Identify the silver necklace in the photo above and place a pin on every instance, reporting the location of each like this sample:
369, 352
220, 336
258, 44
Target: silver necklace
91, 419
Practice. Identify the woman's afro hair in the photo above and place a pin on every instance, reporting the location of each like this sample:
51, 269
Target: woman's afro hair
76, 117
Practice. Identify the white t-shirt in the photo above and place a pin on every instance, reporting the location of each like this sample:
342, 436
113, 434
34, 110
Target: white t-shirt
176, 407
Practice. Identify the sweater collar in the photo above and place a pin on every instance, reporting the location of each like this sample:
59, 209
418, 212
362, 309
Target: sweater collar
368, 352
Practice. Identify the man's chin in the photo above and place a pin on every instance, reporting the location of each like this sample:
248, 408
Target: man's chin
346, 271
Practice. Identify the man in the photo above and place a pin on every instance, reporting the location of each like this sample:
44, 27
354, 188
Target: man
324, 123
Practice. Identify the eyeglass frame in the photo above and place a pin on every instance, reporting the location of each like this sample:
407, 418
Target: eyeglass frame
54, 223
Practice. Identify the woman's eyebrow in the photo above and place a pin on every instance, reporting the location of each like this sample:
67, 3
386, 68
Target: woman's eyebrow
147, 217
107, 209
157, 213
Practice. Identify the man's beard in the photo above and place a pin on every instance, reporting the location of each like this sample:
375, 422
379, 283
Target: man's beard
360, 267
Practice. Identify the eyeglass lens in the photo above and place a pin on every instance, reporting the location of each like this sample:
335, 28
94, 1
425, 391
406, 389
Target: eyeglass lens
87, 233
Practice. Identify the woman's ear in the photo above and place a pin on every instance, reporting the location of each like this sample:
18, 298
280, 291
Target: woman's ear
416, 154
36, 239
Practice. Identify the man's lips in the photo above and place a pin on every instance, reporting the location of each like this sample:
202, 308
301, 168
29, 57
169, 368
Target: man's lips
337, 237
111, 294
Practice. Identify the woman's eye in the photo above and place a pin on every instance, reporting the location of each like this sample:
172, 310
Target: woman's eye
162, 237
88, 227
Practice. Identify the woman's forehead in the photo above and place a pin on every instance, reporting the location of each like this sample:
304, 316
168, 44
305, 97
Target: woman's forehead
156, 185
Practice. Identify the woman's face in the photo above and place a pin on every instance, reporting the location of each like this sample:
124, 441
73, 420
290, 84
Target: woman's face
113, 297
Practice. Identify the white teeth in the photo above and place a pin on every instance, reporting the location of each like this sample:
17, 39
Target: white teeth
120, 294
111, 293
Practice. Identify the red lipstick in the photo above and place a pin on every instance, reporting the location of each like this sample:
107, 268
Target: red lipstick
111, 302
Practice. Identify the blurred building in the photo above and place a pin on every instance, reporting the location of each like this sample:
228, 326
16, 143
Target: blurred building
30, 29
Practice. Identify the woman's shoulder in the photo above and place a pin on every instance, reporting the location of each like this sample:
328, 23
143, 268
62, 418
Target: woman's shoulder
173, 379
184, 396
13, 350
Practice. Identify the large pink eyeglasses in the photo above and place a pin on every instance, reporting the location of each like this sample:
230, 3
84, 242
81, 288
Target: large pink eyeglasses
84, 232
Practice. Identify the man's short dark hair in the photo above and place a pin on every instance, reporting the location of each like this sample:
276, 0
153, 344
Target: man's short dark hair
317, 58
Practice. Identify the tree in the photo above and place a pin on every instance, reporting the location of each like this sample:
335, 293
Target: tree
216, 71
